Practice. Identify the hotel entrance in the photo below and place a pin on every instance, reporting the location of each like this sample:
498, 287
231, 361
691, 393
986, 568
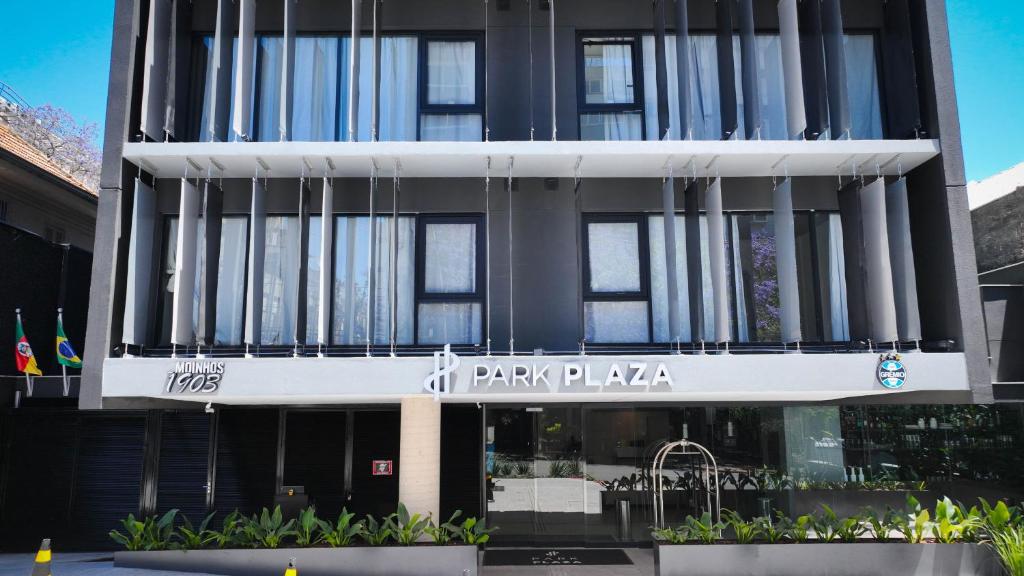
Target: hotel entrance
572, 474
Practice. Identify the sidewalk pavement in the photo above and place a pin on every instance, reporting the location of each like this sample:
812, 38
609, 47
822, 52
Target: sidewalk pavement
75, 564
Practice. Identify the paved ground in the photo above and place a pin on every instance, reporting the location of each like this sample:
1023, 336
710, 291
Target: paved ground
101, 565
73, 565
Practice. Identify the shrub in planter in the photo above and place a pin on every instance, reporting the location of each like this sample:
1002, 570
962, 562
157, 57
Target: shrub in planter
266, 530
745, 532
1008, 544
147, 534
474, 532
376, 533
307, 528
405, 528
342, 532
192, 538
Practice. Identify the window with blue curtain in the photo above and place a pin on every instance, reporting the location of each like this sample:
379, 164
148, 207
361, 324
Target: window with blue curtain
864, 93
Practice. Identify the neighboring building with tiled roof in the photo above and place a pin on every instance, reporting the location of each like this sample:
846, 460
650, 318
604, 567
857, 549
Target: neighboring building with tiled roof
38, 196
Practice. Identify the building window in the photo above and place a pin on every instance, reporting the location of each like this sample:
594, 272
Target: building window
450, 280
351, 280
611, 100
864, 92
451, 90
231, 280
616, 280
280, 281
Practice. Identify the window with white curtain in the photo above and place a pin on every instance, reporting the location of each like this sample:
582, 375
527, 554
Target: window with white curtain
231, 272
234, 252
450, 280
616, 288
399, 76
313, 280
450, 94
862, 80
610, 106
659, 280
280, 280
705, 101
315, 91
269, 71
203, 96
351, 280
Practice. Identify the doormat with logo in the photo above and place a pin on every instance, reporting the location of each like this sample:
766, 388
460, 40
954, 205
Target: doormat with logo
560, 557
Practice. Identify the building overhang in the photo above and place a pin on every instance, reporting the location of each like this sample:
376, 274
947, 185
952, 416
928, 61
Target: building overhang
649, 159
777, 378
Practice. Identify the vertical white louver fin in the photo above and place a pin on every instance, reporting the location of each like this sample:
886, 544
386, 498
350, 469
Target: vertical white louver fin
288, 72
140, 265
326, 264
154, 77
879, 293
220, 94
901, 250
785, 262
719, 271
182, 326
257, 248
244, 71
789, 33
835, 65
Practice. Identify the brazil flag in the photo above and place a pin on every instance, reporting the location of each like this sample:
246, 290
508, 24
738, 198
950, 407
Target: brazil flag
66, 355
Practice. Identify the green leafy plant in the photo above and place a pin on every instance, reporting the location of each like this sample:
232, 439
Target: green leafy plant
850, 529
826, 525
147, 534
443, 534
230, 532
774, 532
376, 533
703, 529
999, 517
916, 523
474, 532
670, 535
307, 531
268, 529
745, 532
1008, 544
882, 525
342, 532
406, 528
194, 538
952, 524
800, 529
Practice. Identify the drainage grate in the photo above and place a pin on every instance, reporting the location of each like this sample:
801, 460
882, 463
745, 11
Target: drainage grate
559, 557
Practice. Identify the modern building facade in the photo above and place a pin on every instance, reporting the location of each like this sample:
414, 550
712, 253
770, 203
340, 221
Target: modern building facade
490, 255
996, 210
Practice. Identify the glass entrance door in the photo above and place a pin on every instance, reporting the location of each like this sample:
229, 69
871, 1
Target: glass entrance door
537, 491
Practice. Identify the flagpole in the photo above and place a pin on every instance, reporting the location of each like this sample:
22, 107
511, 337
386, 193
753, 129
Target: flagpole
28, 377
63, 367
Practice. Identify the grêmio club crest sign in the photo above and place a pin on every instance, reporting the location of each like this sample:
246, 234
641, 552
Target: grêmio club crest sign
194, 377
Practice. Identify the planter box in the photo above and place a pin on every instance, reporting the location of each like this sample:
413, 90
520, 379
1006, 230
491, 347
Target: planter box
383, 561
826, 560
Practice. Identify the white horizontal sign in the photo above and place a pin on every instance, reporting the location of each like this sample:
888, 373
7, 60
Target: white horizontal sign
452, 378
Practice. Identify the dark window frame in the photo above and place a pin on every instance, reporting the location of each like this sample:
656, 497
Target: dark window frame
633, 39
640, 219
423, 106
422, 296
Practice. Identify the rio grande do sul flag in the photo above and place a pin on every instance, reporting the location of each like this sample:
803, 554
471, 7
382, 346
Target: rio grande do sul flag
23, 356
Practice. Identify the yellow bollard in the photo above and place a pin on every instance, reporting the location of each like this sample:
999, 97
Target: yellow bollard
43, 557
291, 571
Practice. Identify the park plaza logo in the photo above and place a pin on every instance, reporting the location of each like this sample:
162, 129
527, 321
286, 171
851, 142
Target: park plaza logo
526, 374
891, 372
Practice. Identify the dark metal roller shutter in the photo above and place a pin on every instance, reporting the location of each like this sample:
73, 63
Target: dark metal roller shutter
460, 460
246, 460
184, 453
40, 471
108, 478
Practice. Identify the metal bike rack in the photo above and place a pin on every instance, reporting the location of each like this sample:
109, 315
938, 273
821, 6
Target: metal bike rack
709, 472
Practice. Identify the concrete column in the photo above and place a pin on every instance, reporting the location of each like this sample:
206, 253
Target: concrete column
419, 464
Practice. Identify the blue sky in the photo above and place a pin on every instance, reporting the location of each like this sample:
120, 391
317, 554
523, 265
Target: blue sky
57, 52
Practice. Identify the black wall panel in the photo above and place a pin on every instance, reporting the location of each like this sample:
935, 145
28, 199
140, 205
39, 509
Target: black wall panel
246, 460
314, 457
461, 431
184, 453
377, 436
